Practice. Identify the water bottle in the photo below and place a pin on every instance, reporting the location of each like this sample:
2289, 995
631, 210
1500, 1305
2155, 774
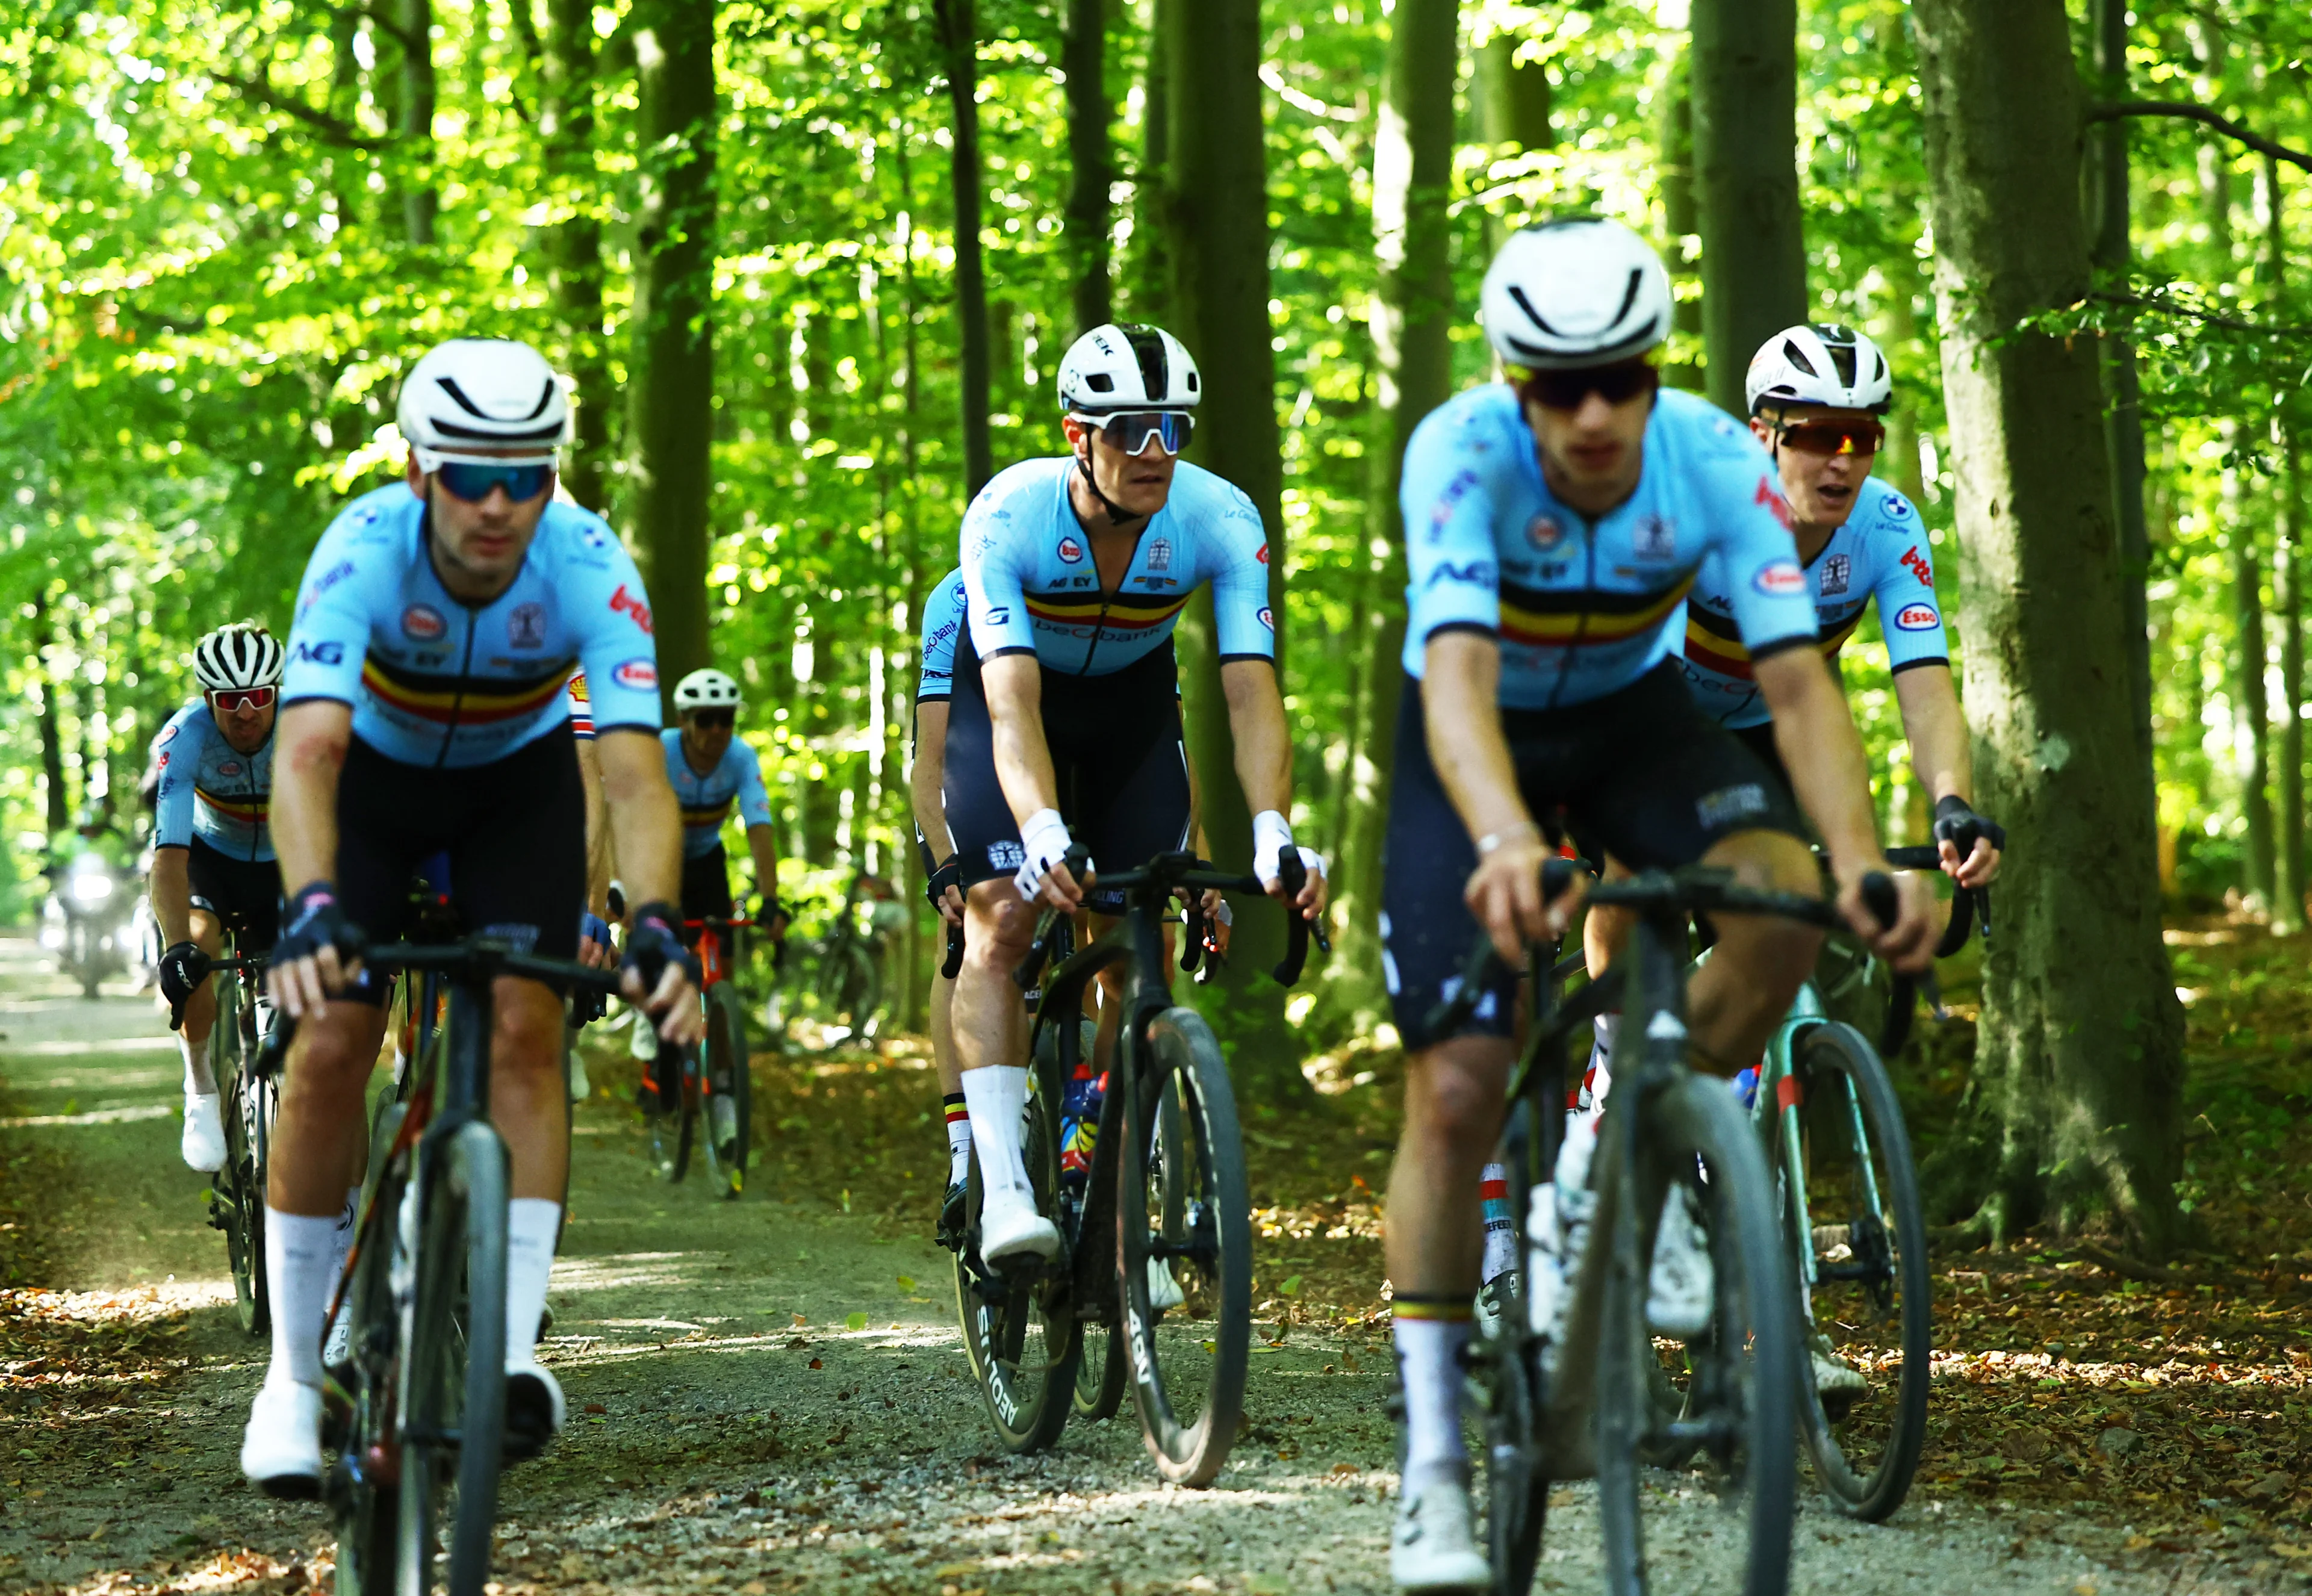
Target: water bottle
1746, 1088
1080, 1103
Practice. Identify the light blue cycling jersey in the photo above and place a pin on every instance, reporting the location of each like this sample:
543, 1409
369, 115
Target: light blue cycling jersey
1584, 608
434, 682
211, 790
1032, 586
707, 799
1881, 551
943, 608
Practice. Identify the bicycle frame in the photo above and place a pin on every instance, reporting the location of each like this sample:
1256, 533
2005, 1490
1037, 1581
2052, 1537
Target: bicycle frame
1780, 1094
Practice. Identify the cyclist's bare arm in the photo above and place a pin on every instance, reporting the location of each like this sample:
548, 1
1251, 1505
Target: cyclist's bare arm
1264, 758
927, 796
1814, 731
646, 831
1940, 753
1460, 696
172, 894
310, 742
1014, 684
598, 867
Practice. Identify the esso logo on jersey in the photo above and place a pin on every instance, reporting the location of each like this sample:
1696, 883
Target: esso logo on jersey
229, 768
1917, 617
424, 623
168, 735
639, 674
1782, 579
1544, 533
1071, 552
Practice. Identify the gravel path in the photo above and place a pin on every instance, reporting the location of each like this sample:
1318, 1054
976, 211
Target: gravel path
732, 1434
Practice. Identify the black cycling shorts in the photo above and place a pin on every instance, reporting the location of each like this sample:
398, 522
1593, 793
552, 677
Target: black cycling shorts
1643, 774
1116, 750
243, 893
706, 887
514, 831
1760, 741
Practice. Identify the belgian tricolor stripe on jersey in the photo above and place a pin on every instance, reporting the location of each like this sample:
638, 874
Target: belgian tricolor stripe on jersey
707, 814
1539, 617
1715, 642
1125, 612
248, 811
463, 700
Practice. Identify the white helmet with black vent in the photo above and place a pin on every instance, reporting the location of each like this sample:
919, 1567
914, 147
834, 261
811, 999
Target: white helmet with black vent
483, 399
705, 690
1583, 292
244, 654
1124, 366
1820, 363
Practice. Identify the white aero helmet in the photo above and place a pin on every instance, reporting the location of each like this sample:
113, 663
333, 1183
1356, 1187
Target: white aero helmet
1127, 367
244, 654
705, 690
1820, 362
470, 395
1583, 292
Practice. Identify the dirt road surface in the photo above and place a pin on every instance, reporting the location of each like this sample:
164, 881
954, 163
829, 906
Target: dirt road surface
731, 1431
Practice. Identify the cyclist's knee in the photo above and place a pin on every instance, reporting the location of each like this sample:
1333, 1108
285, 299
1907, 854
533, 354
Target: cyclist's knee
336, 1049
1002, 927
1453, 1091
208, 936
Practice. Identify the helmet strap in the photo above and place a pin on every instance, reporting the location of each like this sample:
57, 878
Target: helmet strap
1116, 513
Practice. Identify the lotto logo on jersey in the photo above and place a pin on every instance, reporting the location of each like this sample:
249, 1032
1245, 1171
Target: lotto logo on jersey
641, 675
1782, 579
622, 602
1917, 617
1916, 565
1771, 499
424, 623
1071, 552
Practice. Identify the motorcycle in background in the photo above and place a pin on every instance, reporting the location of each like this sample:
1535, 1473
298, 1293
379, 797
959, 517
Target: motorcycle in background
89, 920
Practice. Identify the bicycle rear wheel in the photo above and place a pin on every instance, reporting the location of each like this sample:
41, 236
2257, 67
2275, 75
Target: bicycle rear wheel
240, 1186
456, 1416
674, 1124
1508, 1366
365, 1484
1019, 1329
730, 1070
1865, 1230
1741, 1373
1182, 1216
1099, 1374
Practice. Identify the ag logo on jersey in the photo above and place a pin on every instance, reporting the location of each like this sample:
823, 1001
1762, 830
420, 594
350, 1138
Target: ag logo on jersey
1071, 552
1838, 571
424, 623
639, 674
526, 627
1781, 579
1543, 533
1917, 617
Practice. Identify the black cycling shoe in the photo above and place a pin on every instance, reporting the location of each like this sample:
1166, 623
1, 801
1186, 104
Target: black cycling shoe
950, 1232
533, 1414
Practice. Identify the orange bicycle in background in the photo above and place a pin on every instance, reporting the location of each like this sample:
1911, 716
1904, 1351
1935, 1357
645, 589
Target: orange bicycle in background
713, 1081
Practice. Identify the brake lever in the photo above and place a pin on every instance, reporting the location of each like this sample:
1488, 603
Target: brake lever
954, 960
1294, 875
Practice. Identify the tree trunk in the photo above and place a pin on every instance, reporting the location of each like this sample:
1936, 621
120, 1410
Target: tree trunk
671, 415
2251, 717
565, 127
2079, 1065
1217, 198
959, 31
1152, 222
1682, 217
2287, 599
419, 201
1745, 70
1412, 320
1514, 102
1083, 58
52, 735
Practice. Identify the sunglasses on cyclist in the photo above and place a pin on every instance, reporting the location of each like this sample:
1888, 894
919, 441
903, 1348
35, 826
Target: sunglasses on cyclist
714, 720
230, 699
1616, 385
1862, 435
471, 480
1130, 430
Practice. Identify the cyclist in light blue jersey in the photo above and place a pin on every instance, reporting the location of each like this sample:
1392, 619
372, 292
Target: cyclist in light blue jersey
712, 770
1554, 524
212, 854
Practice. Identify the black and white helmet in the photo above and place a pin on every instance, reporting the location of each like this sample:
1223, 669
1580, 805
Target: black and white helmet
474, 394
1127, 367
244, 654
1820, 362
705, 690
1583, 292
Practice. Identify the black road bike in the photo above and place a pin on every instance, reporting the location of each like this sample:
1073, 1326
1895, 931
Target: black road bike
415, 1416
1157, 1246
686, 1082
247, 1069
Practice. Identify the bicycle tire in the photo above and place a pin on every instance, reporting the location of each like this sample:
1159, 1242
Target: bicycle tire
364, 1499
241, 1204
1746, 1371
672, 1129
1099, 1374
1195, 1162
730, 1058
457, 1368
1508, 1364
1835, 1053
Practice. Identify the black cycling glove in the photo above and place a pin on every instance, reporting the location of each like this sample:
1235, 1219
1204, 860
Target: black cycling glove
181, 971
1958, 825
948, 874
654, 941
315, 920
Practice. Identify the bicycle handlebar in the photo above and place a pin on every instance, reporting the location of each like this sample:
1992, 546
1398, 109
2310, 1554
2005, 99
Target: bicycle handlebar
1164, 874
480, 958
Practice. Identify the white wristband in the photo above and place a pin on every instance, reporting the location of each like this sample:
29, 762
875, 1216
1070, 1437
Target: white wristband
1272, 833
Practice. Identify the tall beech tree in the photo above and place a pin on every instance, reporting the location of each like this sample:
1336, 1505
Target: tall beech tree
1744, 69
959, 39
1083, 58
566, 132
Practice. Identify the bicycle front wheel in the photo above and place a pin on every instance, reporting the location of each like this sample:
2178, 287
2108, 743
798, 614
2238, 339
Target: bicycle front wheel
454, 1423
1184, 1248
1099, 1374
240, 1186
729, 1071
1741, 1373
362, 1490
1507, 1367
1850, 1195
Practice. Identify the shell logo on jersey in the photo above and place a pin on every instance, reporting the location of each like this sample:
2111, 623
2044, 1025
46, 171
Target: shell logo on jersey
1917, 617
424, 623
635, 673
1781, 579
1543, 533
1071, 551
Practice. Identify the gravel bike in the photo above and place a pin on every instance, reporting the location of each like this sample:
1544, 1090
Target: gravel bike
1582, 1392
688, 1083
415, 1416
838, 977
247, 1069
1157, 1247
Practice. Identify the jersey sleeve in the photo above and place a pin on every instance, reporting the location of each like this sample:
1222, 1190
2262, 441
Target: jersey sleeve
1452, 569
328, 640
1243, 623
1909, 614
176, 751
943, 621
994, 548
753, 798
1752, 556
609, 613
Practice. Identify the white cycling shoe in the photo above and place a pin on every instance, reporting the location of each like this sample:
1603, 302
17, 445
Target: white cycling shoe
203, 1141
580, 1088
643, 1042
281, 1449
535, 1410
1163, 1292
723, 1120
1682, 1290
1010, 1227
1433, 1546
1836, 1380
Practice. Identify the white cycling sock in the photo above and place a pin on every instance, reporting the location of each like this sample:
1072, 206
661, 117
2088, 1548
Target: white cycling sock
299, 1253
997, 1096
1430, 1337
1501, 1235
1598, 1080
531, 1224
959, 1138
193, 1088
341, 1241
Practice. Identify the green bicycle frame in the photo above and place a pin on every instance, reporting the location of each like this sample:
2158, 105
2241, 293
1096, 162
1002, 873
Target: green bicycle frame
1779, 1094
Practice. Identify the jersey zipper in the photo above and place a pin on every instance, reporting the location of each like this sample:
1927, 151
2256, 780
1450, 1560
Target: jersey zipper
465, 668
1581, 626
1107, 599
